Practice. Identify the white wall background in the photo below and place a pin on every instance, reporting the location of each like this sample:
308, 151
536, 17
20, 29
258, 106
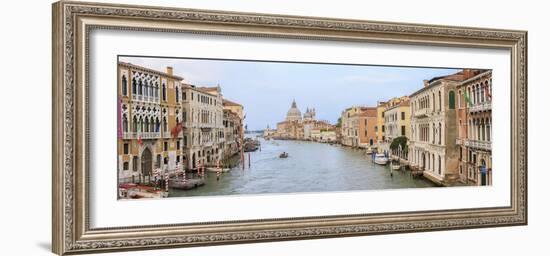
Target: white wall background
25, 100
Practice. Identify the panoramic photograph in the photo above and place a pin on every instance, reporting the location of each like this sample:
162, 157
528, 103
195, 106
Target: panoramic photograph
211, 127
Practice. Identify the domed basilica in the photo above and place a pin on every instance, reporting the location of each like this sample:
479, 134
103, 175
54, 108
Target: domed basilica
294, 113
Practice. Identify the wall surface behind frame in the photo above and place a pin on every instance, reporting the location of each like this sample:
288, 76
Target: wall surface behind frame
26, 116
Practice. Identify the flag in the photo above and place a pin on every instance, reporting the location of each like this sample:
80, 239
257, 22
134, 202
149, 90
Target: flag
176, 130
467, 99
140, 141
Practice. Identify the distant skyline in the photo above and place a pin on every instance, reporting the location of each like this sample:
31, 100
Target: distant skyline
267, 89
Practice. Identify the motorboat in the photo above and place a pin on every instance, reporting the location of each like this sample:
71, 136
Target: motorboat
380, 159
214, 169
395, 165
369, 151
185, 184
283, 155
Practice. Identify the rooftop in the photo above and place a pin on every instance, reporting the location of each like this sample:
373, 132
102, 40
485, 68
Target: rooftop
227, 102
130, 65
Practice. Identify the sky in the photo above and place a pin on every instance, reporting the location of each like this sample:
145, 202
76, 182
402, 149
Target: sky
266, 89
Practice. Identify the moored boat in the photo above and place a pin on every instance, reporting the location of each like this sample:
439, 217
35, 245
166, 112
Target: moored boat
369, 151
381, 159
395, 165
185, 184
214, 169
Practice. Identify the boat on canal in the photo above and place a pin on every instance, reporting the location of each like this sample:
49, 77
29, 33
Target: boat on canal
136, 191
394, 165
185, 184
380, 159
283, 155
369, 151
214, 169
250, 145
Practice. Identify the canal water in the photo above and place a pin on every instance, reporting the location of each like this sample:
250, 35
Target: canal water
310, 167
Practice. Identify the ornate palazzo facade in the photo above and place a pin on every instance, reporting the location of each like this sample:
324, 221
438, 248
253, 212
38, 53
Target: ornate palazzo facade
474, 140
164, 122
432, 146
148, 111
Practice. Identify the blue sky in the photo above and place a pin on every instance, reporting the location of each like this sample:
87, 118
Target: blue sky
266, 89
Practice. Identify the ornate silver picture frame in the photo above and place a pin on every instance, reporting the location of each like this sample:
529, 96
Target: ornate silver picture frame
72, 24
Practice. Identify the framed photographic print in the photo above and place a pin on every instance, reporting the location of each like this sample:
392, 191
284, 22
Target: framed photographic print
180, 127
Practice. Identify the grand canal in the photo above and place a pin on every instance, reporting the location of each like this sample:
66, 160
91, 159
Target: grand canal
310, 167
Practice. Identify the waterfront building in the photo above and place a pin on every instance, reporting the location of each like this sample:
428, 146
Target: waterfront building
432, 146
268, 132
232, 131
474, 134
367, 124
327, 136
397, 123
350, 126
310, 115
149, 116
235, 108
165, 122
203, 121
296, 127
380, 129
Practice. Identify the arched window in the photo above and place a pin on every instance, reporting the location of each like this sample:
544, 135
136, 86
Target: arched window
135, 163
451, 100
439, 133
482, 129
146, 126
488, 127
124, 85
134, 86
134, 124
177, 94
124, 123
164, 92
145, 88
439, 165
158, 162
164, 124
140, 89
433, 101
439, 100
478, 129
433, 133
157, 125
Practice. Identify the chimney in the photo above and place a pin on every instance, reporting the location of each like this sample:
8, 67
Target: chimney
426, 82
170, 71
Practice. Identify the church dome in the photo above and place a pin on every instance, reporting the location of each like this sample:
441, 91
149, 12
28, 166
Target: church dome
293, 113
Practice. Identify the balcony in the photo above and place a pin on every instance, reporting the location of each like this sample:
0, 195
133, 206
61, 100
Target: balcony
478, 144
421, 112
145, 98
144, 135
459, 141
483, 106
207, 144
